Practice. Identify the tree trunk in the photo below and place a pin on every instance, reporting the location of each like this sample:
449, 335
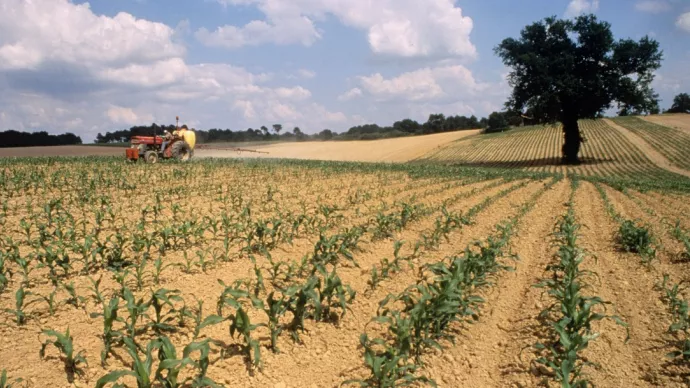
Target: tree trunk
572, 141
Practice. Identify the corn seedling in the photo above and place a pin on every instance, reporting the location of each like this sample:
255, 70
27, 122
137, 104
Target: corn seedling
110, 336
387, 367
574, 312
638, 239
4, 381
680, 318
159, 300
141, 369
240, 323
200, 323
63, 342
332, 293
19, 305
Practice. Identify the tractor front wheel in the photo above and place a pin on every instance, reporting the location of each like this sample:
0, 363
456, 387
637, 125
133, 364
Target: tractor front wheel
151, 157
181, 151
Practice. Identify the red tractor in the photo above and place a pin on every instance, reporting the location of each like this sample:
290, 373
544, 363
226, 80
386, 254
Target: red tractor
179, 146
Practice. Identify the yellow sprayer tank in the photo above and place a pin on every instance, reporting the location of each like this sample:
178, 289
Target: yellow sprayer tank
190, 137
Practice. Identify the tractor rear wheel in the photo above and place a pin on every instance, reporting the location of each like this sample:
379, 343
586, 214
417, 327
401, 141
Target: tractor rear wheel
151, 157
181, 151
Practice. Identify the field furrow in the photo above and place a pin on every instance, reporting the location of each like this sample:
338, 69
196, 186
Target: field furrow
488, 352
624, 282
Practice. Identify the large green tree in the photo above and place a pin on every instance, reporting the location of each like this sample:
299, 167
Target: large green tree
566, 70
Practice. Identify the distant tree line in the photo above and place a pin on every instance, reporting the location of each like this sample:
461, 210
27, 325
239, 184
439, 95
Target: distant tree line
436, 123
12, 138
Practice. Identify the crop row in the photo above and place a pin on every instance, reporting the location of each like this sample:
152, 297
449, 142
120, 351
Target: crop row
571, 312
421, 317
670, 142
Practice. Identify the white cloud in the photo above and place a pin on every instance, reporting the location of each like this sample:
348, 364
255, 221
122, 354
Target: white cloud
298, 30
350, 94
406, 28
653, 6
450, 89
30, 36
297, 93
579, 7
150, 75
93, 73
423, 85
122, 115
683, 22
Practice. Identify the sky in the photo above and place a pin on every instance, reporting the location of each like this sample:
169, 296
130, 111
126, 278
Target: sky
104, 65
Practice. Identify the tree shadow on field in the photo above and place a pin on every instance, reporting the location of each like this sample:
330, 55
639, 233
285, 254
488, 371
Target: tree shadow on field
540, 162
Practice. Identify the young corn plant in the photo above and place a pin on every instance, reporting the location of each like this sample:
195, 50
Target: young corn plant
275, 308
677, 232
200, 323
173, 366
572, 312
302, 297
159, 300
680, 319
136, 310
110, 336
95, 290
637, 238
240, 324
63, 342
141, 369
19, 304
332, 294
4, 380
73, 299
388, 368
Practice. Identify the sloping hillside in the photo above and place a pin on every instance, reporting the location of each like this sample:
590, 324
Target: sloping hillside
607, 151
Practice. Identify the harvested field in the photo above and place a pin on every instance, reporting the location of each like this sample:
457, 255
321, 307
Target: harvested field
387, 150
265, 273
680, 121
671, 143
19, 152
605, 152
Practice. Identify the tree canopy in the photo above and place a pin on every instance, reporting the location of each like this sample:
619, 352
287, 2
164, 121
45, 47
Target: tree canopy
681, 104
12, 138
565, 70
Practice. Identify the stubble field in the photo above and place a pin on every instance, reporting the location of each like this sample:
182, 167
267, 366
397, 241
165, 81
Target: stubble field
250, 273
395, 150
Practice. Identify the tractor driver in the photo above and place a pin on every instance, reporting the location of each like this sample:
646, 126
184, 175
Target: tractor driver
166, 139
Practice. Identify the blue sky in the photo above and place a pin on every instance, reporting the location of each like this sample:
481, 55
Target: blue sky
89, 67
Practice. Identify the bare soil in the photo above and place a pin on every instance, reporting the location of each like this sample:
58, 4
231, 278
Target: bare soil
679, 121
495, 351
386, 150
60, 151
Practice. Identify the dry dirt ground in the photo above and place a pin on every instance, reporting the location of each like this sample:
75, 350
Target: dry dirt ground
386, 150
674, 120
200, 232
60, 151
